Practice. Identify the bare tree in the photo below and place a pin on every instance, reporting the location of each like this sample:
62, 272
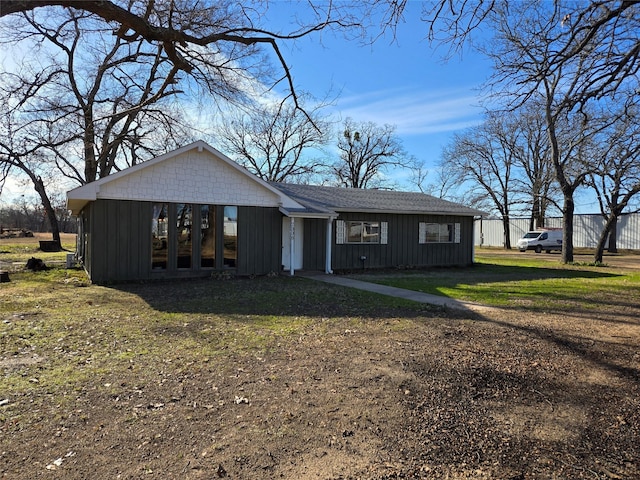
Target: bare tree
83, 104
99, 71
570, 54
208, 39
617, 178
529, 66
276, 141
95, 88
442, 185
367, 150
19, 161
419, 175
486, 157
604, 30
19, 153
534, 160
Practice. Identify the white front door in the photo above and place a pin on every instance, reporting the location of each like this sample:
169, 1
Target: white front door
297, 243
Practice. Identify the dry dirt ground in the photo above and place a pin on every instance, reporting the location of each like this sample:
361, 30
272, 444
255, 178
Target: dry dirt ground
397, 394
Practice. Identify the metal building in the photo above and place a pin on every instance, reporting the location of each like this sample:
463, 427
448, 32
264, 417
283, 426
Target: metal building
586, 231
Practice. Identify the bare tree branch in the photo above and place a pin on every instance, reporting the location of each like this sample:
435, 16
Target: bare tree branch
366, 151
276, 142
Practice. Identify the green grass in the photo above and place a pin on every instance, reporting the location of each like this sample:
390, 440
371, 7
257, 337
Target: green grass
20, 252
58, 331
59, 334
523, 282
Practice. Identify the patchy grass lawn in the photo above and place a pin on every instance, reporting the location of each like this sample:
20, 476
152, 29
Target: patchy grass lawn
290, 378
14, 252
536, 283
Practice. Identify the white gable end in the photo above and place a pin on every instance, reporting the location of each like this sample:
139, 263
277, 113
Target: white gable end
196, 173
191, 177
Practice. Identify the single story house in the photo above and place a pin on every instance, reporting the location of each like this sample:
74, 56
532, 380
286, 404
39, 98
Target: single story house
195, 212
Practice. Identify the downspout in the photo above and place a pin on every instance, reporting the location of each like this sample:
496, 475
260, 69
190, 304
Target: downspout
473, 242
327, 263
292, 238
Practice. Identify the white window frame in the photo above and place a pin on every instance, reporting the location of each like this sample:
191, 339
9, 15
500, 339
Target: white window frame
342, 237
451, 231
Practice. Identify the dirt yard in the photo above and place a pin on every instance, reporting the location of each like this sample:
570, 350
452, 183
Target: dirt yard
381, 391
37, 236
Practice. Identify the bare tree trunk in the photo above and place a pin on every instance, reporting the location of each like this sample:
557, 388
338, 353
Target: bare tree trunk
613, 236
608, 230
49, 210
533, 220
567, 230
537, 214
507, 232
90, 161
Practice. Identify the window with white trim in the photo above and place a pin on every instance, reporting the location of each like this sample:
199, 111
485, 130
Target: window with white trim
439, 232
361, 232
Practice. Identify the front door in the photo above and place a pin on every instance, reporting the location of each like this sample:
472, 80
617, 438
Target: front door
297, 243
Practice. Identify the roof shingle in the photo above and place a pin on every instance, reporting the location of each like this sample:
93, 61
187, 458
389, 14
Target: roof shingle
338, 199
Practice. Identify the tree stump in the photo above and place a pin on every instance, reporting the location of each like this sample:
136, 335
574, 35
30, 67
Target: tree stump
4, 276
49, 246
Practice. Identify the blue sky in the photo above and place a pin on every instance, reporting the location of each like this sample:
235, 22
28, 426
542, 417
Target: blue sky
402, 82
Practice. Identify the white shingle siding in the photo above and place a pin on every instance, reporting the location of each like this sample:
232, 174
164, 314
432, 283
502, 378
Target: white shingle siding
193, 177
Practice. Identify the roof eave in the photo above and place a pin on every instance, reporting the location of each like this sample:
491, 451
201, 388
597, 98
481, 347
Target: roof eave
410, 212
306, 214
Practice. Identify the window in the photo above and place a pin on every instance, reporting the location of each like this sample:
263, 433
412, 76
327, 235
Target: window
192, 236
439, 232
159, 246
207, 236
358, 232
183, 230
363, 232
230, 236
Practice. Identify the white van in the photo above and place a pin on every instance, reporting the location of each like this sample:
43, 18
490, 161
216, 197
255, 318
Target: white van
540, 240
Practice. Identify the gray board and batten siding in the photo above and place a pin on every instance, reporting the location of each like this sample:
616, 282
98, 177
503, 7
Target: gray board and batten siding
153, 221
403, 248
315, 244
118, 242
113, 234
401, 212
259, 240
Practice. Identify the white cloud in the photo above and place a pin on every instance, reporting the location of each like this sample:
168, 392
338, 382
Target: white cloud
13, 189
415, 112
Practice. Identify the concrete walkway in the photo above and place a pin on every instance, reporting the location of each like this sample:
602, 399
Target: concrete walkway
420, 297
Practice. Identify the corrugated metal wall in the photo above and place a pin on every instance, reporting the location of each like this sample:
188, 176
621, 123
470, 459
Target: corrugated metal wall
629, 232
587, 228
